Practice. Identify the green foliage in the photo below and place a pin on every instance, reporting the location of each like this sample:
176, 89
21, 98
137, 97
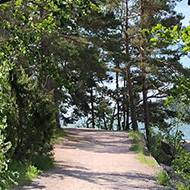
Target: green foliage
156, 148
7, 178
181, 163
163, 178
25, 172
33, 122
181, 186
43, 163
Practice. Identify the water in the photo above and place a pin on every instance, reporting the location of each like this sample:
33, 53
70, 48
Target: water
185, 128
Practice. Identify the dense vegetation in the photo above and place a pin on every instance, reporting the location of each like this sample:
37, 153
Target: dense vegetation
58, 59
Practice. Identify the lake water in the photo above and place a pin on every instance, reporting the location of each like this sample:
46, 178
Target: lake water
185, 128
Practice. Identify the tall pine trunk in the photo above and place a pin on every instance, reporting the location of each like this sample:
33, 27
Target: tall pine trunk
117, 101
112, 119
145, 104
92, 107
129, 81
144, 83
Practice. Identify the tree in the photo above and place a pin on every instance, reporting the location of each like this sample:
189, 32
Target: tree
143, 57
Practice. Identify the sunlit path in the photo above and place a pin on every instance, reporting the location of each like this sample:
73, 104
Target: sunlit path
96, 159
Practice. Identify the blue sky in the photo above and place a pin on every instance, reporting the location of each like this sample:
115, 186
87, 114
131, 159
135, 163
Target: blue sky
183, 7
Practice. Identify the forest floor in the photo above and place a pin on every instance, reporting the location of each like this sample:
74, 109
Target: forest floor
91, 159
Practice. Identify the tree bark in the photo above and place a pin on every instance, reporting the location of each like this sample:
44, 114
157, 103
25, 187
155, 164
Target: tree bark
105, 124
129, 81
145, 104
117, 100
131, 98
112, 119
144, 85
127, 119
92, 107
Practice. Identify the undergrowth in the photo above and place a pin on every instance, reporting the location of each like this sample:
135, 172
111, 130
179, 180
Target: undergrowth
35, 165
138, 146
59, 135
163, 178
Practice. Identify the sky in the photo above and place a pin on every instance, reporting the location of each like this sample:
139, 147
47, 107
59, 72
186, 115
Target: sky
184, 8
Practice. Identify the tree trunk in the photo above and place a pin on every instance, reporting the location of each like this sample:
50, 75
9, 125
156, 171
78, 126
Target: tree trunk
105, 124
112, 119
127, 120
131, 99
92, 107
130, 88
144, 85
117, 100
145, 105
57, 114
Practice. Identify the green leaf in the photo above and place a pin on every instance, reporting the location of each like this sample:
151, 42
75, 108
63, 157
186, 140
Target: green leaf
18, 3
175, 29
186, 49
153, 40
145, 32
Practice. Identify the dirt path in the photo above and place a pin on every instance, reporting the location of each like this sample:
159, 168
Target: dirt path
96, 160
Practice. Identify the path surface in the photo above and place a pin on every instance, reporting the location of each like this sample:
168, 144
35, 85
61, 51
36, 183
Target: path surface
96, 160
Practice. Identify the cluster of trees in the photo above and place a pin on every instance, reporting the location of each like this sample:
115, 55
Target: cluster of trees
60, 56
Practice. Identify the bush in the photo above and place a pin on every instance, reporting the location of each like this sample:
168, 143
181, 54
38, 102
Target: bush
43, 162
6, 177
32, 123
181, 163
156, 149
25, 172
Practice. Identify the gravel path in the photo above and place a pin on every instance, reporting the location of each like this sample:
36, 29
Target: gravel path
96, 160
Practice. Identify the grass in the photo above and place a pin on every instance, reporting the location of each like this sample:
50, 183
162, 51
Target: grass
147, 160
59, 135
163, 179
138, 142
138, 146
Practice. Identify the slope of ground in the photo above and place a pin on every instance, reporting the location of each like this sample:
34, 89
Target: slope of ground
96, 160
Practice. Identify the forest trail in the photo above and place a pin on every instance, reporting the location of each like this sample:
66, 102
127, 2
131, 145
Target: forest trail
96, 160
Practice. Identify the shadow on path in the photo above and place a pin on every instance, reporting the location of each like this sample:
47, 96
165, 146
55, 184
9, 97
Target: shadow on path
95, 159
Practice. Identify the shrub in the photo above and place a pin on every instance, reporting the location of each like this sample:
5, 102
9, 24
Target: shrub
6, 177
181, 163
25, 172
156, 148
43, 162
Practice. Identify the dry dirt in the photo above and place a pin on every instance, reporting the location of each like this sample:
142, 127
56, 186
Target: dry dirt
96, 160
